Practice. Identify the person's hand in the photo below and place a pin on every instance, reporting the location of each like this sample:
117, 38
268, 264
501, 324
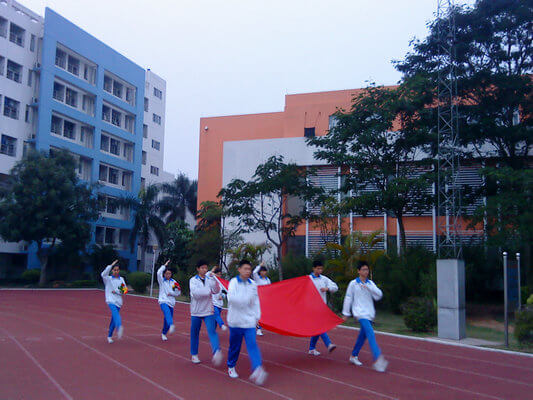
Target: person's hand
168, 262
345, 318
213, 269
324, 289
262, 264
114, 263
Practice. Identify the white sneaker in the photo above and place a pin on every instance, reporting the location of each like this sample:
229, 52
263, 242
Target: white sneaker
195, 360
217, 358
331, 347
120, 332
381, 364
164, 338
232, 373
109, 340
259, 332
259, 376
314, 352
355, 360
224, 327
171, 329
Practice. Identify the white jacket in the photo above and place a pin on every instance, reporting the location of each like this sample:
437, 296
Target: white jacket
218, 298
167, 295
259, 280
111, 285
243, 303
359, 299
322, 281
201, 300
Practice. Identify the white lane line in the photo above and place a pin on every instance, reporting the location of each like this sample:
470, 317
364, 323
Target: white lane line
43, 369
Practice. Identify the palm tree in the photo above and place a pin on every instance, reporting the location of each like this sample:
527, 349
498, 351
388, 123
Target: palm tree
147, 211
180, 196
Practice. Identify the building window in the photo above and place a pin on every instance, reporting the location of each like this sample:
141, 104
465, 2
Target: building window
129, 123
143, 183
114, 147
154, 170
27, 114
2, 65
127, 151
56, 125
30, 77
104, 143
116, 118
69, 130
130, 96
59, 92
155, 144
14, 71
16, 34
106, 113
89, 73
144, 157
99, 235
113, 176
333, 121
145, 104
88, 104
32, 43
109, 235
108, 84
158, 93
11, 108
71, 98
309, 132
102, 173
73, 65
9, 146
3, 27
145, 131
157, 119
61, 58
117, 89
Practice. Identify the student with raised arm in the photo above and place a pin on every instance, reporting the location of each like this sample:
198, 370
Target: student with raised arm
243, 314
260, 277
202, 287
323, 284
359, 302
115, 287
169, 289
218, 298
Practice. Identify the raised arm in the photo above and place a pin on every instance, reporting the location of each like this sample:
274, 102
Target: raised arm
160, 274
106, 271
348, 300
332, 286
376, 292
214, 285
255, 273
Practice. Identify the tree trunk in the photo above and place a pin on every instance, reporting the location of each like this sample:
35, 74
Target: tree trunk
143, 257
42, 255
278, 259
403, 239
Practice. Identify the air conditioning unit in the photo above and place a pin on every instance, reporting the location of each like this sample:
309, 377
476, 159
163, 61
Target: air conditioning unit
37, 65
34, 99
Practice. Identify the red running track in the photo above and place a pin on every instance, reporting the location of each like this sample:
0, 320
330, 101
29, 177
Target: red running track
53, 346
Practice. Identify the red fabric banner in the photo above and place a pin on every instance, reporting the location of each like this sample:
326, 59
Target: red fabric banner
294, 307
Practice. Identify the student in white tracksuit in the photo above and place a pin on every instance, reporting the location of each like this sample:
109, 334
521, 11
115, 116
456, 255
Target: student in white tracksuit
169, 289
243, 313
202, 287
113, 298
218, 298
323, 284
359, 302
260, 277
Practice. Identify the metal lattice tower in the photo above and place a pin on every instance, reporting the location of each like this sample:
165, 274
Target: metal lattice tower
448, 192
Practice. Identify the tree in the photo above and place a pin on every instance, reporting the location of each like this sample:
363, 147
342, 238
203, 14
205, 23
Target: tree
248, 251
382, 144
179, 196
258, 204
147, 220
177, 246
47, 204
207, 243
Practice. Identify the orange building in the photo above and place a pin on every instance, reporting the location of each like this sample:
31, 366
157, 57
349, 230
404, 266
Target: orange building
233, 146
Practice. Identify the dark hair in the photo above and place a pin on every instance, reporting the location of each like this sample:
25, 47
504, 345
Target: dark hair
263, 269
318, 263
167, 269
244, 262
200, 263
217, 270
362, 264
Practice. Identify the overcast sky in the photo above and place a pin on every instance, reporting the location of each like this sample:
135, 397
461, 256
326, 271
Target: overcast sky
222, 57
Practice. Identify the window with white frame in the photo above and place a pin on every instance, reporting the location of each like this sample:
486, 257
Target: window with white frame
119, 88
3, 27
61, 58
145, 131
69, 130
59, 92
11, 108
108, 84
72, 130
116, 118
156, 145
114, 146
30, 77
57, 125
8, 146
16, 34
146, 104
154, 170
158, 93
2, 65
144, 157
32, 43
73, 65
129, 123
106, 113
88, 104
14, 71
71, 97
157, 119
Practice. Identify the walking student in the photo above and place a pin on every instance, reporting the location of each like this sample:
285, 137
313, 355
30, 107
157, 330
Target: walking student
243, 314
202, 287
260, 277
359, 302
169, 289
218, 298
115, 287
323, 284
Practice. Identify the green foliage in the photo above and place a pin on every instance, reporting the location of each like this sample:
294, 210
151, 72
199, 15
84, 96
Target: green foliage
138, 281
84, 283
100, 256
419, 314
249, 251
523, 330
525, 294
180, 196
529, 301
31, 276
293, 267
177, 247
47, 202
207, 242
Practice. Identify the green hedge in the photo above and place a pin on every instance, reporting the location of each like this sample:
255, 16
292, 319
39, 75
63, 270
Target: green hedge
419, 314
83, 284
138, 281
31, 276
523, 330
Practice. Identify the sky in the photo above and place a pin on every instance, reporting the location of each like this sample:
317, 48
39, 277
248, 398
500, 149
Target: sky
224, 57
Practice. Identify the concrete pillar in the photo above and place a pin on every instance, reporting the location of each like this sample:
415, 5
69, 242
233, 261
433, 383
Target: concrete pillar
451, 299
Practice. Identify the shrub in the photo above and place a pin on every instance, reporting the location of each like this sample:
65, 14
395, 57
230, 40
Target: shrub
525, 294
31, 276
138, 281
523, 330
419, 314
529, 301
83, 284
